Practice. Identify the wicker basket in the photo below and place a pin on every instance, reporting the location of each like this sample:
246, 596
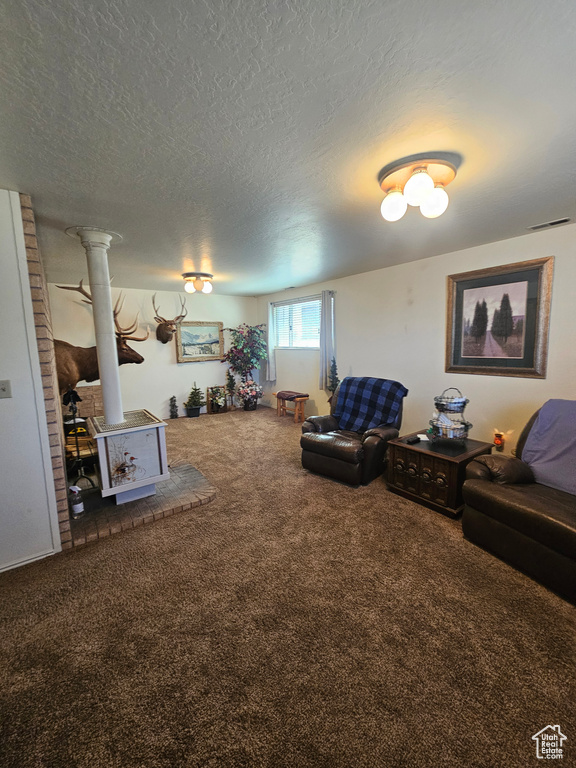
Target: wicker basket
456, 431
444, 404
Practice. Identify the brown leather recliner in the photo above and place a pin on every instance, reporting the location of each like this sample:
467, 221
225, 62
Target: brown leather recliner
530, 525
356, 458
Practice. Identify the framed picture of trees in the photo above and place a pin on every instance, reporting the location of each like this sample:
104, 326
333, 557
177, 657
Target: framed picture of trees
497, 320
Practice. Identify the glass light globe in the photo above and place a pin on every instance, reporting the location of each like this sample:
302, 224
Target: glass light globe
418, 187
207, 287
394, 205
198, 283
435, 204
189, 287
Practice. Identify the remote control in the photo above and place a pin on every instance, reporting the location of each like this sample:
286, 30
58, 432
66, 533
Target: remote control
412, 440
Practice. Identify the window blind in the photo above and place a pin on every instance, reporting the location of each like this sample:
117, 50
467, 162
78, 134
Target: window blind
297, 322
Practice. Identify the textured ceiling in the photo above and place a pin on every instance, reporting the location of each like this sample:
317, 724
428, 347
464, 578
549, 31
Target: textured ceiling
245, 138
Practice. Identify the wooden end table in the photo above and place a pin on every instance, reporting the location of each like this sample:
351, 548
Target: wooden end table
432, 473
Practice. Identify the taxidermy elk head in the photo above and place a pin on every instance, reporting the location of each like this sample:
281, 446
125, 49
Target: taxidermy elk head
167, 328
74, 364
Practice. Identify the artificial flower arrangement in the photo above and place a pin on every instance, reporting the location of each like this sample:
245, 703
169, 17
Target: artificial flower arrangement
217, 396
248, 348
248, 389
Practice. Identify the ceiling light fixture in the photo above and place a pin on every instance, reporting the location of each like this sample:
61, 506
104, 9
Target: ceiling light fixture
418, 187
419, 181
394, 205
200, 282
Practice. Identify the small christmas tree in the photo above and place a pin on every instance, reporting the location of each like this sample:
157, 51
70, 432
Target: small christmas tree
333, 379
173, 407
230, 385
195, 398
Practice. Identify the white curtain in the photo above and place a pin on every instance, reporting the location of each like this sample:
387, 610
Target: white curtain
271, 362
327, 340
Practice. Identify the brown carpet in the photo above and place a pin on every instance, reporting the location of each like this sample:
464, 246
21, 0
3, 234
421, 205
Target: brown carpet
292, 622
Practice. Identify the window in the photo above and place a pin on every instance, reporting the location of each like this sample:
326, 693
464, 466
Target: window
297, 322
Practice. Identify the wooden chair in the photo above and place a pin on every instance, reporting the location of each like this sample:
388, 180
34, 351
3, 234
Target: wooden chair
297, 398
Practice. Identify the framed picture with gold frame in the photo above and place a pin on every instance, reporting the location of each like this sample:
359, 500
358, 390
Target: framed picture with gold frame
497, 320
198, 341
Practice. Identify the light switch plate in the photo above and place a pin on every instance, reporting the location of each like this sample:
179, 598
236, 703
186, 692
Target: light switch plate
5, 388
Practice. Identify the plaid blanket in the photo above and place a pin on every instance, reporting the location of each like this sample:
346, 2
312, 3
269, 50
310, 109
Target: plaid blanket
364, 403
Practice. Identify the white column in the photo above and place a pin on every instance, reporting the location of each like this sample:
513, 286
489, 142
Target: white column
96, 242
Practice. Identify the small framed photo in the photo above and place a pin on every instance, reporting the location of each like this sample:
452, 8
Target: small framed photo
497, 320
216, 400
198, 341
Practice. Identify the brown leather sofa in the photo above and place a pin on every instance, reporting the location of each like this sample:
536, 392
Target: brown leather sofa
529, 525
355, 458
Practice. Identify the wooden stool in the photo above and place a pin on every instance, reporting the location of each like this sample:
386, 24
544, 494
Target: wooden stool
286, 396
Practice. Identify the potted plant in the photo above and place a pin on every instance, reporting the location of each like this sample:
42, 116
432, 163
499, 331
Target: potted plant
249, 391
173, 407
333, 379
247, 350
195, 401
216, 397
230, 386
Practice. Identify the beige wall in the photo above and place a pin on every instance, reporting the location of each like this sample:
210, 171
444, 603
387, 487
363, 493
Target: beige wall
391, 323
151, 384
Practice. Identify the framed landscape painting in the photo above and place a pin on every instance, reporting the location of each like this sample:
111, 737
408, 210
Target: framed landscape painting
497, 320
197, 341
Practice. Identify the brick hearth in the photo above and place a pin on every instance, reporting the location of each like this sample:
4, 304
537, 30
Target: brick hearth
187, 488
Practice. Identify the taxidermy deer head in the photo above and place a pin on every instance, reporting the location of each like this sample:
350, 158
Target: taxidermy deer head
74, 364
167, 328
